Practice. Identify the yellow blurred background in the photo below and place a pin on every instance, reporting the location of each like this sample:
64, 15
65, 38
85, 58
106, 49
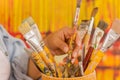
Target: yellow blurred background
51, 15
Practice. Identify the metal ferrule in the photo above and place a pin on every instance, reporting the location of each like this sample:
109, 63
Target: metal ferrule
98, 34
110, 39
33, 40
91, 25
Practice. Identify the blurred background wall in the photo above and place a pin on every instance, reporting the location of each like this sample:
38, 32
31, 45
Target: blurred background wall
51, 15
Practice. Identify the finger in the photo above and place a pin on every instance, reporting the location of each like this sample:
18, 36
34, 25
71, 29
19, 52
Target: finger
62, 45
75, 54
68, 32
59, 52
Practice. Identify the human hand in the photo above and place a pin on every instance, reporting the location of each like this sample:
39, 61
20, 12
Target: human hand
57, 42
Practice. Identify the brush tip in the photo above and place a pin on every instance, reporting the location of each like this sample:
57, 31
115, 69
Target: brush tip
78, 3
116, 26
84, 20
29, 20
24, 28
102, 25
94, 11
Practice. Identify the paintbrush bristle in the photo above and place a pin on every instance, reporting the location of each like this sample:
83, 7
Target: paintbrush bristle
79, 3
116, 26
29, 20
24, 28
94, 12
102, 25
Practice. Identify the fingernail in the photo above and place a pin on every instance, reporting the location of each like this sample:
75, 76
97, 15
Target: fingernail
66, 49
79, 43
74, 54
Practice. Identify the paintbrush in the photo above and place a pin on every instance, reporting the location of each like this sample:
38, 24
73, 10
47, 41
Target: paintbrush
112, 36
98, 34
29, 35
35, 29
82, 29
72, 39
88, 35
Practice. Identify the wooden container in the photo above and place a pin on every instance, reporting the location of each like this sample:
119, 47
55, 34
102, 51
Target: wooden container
91, 76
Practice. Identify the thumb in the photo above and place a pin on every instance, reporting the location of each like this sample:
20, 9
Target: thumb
62, 45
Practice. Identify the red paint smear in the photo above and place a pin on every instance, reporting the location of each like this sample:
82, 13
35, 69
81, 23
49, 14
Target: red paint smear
9, 24
88, 0
21, 37
88, 3
9, 19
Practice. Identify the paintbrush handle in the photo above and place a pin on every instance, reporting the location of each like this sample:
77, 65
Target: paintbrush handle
86, 42
59, 72
48, 62
87, 58
40, 63
50, 56
94, 62
93, 54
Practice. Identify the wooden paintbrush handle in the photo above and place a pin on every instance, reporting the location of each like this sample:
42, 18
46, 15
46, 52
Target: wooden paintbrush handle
87, 58
50, 56
48, 62
40, 63
86, 42
94, 62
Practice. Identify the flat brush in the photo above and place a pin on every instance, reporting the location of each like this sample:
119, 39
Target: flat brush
35, 29
113, 35
82, 29
48, 54
98, 35
32, 39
